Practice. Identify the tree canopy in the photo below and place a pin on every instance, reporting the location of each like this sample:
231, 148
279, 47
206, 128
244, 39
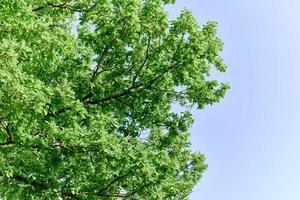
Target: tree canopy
86, 95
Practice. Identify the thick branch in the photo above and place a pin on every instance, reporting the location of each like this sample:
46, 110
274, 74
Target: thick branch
40, 186
33, 183
6, 143
117, 95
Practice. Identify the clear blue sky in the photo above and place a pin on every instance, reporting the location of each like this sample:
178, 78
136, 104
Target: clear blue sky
252, 138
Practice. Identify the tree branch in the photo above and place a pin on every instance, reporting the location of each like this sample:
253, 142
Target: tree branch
138, 87
96, 71
33, 183
9, 133
41, 186
131, 194
59, 111
116, 179
144, 62
6, 143
64, 6
117, 95
135, 88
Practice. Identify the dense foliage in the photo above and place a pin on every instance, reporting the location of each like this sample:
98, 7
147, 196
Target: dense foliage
86, 89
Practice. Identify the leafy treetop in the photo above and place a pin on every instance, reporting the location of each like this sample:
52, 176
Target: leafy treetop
86, 113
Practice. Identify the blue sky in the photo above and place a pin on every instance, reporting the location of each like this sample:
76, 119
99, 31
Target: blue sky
252, 139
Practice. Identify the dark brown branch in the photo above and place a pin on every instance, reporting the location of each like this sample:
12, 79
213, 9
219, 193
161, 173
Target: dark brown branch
139, 87
69, 194
143, 114
101, 191
96, 71
117, 95
59, 111
136, 88
32, 183
147, 56
144, 62
138, 190
47, 5
182, 92
40, 186
9, 133
38, 8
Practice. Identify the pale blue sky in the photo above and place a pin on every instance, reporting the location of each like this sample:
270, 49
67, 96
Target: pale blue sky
252, 139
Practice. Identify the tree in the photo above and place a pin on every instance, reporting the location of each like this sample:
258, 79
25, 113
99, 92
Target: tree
86, 91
